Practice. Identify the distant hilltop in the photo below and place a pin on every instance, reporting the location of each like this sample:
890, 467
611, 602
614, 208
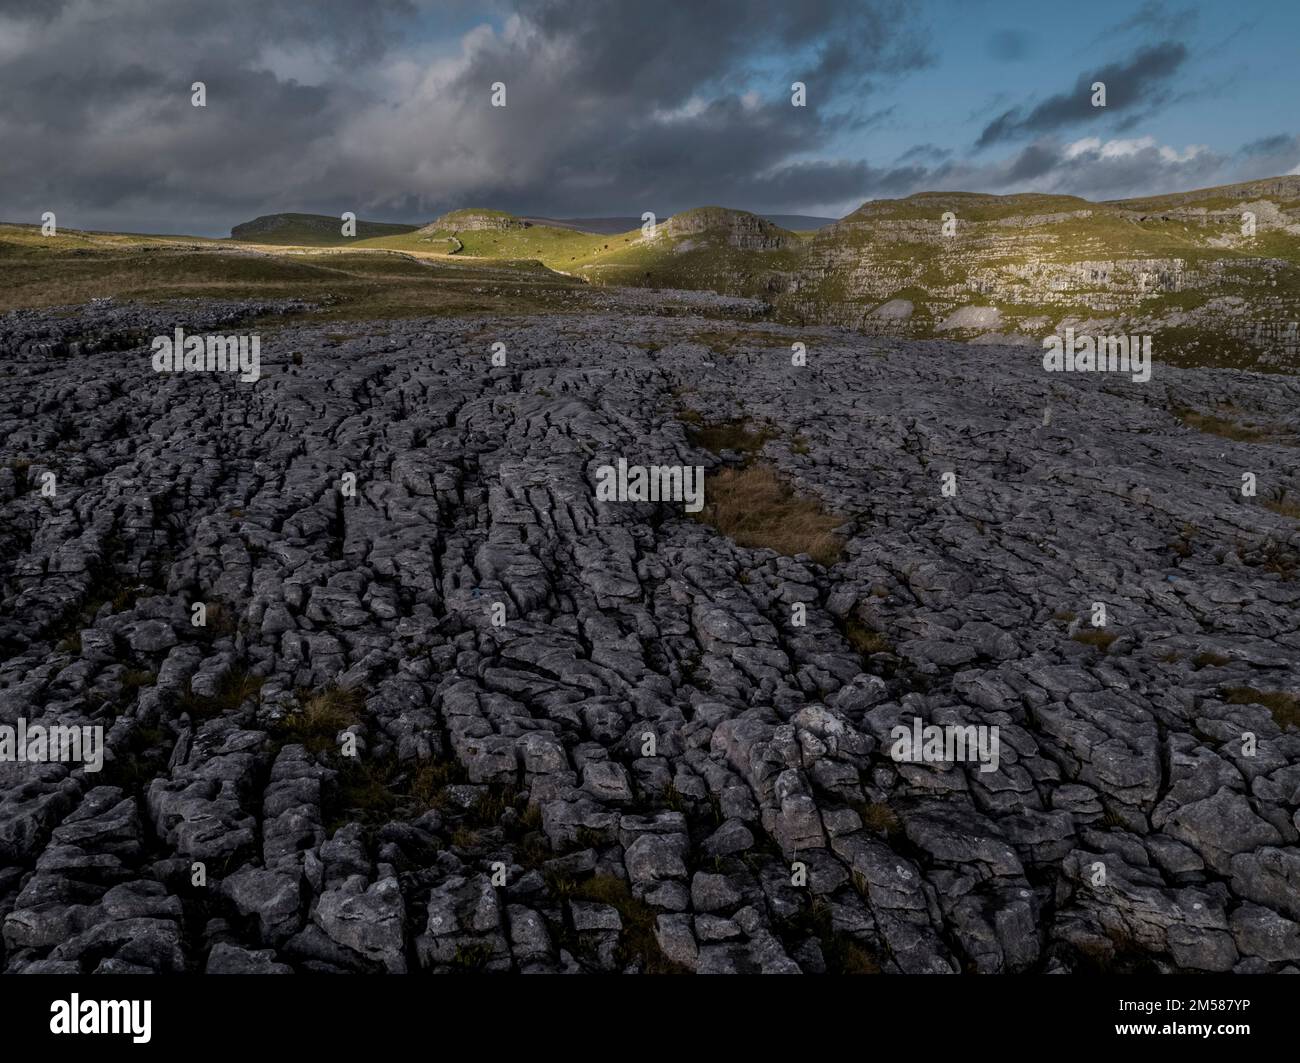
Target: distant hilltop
325, 228
742, 229
312, 229
473, 220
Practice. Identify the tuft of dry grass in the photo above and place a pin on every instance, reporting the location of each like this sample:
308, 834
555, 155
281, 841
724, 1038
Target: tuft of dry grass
333, 708
1271, 556
879, 817
222, 620
638, 942
135, 679
735, 435
728, 342
1213, 424
434, 776
845, 956
842, 952
1096, 636
755, 508
237, 686
864, 640
1284, 705
1285, 507
323, 715
1221, 423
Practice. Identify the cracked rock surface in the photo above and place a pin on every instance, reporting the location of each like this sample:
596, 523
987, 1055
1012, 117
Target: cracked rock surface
449, 711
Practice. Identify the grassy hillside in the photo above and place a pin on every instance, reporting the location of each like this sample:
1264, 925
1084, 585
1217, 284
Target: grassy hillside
1282, 190
1014, 267
540, 243
1175, 266
1008, 268
709, 248
707, 256
75, 267
1023, 265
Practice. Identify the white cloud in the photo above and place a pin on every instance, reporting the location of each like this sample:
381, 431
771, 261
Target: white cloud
1078, 147
1121, 148
692, 108
1189, 153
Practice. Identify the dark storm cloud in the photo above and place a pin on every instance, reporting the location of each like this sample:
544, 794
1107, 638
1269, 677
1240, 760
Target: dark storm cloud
1273, 155
660, 52
651, 98
1283, 144
97, 117
1135, 86
1034, 162
383, 108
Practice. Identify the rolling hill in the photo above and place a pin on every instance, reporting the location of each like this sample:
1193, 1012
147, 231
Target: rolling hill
608, 226
312, 230
985, 268
1184, 267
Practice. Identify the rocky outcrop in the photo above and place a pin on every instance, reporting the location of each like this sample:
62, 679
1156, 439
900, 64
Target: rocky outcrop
738, 228
475, 221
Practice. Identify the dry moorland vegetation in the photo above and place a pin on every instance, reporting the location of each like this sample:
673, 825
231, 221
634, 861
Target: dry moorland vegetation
754, 507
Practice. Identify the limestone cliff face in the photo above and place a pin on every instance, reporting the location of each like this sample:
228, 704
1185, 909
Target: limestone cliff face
1180, 263
739, 228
